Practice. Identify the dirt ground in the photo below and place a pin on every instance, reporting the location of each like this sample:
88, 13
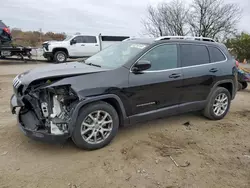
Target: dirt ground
209, 153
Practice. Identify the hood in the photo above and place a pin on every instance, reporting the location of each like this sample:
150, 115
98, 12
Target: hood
58, 70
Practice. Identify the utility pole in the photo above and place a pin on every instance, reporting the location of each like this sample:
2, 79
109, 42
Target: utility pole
40, 30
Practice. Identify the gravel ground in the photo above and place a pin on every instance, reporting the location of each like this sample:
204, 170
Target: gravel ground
210, 153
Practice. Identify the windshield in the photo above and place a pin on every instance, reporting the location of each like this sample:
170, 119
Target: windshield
67, 38
116, 55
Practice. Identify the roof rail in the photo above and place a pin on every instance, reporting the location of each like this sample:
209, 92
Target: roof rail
185, 38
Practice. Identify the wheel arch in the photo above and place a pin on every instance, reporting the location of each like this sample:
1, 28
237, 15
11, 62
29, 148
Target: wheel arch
111, 99
227, 84
60, 49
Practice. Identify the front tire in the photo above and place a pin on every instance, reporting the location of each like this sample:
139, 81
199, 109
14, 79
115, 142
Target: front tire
96, 126
49, 59
218, 104
60, 57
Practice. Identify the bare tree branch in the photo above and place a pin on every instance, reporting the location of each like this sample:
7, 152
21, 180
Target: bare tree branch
207, 18
166, 19
213, 18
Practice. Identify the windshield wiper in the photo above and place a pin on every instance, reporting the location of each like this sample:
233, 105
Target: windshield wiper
92, 64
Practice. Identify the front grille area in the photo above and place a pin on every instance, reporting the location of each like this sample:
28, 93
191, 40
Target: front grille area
16, 82
17, 86
46, 46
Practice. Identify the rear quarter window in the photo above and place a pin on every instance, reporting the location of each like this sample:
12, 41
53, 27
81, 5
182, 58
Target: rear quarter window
192, 54
216, 55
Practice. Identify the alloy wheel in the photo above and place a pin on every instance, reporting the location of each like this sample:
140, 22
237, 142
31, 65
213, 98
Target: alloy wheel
96, 127
61, 57
220, 104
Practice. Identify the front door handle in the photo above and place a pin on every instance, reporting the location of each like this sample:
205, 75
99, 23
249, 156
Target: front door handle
175, 75
213, 70
83, 45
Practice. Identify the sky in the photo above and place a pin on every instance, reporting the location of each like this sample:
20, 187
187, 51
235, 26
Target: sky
109, 17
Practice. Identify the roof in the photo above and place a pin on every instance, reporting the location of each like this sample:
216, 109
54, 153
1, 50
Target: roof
196, 40
2, 25
141, 40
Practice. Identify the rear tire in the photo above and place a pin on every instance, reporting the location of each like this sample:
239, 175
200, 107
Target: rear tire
60, 57
240, 86
96, 126
218, 104
244, 85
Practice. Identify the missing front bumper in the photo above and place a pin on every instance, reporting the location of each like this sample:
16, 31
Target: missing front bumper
28, 125
43, 136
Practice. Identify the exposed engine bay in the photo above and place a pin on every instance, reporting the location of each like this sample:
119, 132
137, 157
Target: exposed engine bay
48, 109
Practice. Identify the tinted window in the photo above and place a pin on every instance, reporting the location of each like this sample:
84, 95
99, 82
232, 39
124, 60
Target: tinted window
194, 55
215, 54
89, 39
162, 57
79, 39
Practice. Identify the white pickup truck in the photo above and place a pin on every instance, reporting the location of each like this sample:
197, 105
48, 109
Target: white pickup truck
78, 46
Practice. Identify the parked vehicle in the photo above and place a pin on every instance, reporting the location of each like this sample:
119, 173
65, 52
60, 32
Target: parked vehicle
5, 35
133, 81
77, 46
6, 47
243, 77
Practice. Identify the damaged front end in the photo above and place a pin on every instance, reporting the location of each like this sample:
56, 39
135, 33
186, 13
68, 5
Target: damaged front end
44, 111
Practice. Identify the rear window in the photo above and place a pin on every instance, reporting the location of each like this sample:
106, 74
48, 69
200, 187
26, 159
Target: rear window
194, 55
216, 55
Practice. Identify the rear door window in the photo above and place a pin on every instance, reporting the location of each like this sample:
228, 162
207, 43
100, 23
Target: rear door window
192, 55
216, 55
89, 39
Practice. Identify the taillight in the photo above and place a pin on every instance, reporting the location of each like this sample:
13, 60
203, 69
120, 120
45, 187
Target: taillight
7, 30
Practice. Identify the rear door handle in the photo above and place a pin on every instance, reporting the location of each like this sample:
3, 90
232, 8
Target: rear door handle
175, 75
83, 45
213, 70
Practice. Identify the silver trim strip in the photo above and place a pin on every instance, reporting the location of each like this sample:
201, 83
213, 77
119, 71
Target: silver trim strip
146, 104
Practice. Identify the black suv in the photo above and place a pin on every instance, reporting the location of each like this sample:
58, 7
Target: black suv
133, 81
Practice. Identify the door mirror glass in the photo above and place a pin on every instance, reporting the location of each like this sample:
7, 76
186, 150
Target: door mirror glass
73, 41
141, 65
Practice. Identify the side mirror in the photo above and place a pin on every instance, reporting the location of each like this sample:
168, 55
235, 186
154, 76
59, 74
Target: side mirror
141, 65
73, 41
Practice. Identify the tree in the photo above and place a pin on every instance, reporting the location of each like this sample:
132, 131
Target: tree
33, 38
207, 18
166, 19
213, 18
240, 46
153, 24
